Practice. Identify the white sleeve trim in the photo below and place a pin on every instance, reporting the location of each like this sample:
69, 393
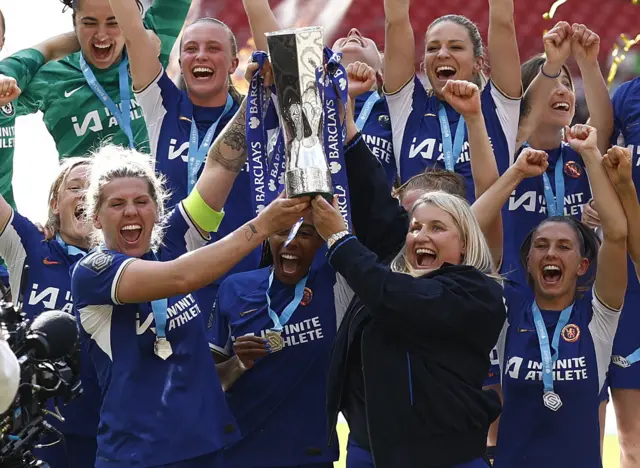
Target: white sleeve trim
116, 280
221, 351
508, 111
96, 321
502, 342
193, 238
602, 327
14, 254
400, 105
150, 100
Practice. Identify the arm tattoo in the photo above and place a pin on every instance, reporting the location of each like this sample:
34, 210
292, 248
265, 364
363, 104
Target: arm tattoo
230, 149
249, 231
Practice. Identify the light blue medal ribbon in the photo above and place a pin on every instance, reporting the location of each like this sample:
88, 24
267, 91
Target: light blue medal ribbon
365, 112
260, 177
333, 90
555, 204
550, 399
122, 115
451, 150
198, 152
71, 250
281, 321
161, 347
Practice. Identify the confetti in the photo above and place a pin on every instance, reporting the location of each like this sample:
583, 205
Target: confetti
620, 54
552, 11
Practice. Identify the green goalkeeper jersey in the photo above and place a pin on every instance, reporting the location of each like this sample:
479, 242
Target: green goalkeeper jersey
74, 116
27, 64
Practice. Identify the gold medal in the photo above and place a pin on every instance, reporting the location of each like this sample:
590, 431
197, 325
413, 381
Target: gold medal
275, 340
162, 348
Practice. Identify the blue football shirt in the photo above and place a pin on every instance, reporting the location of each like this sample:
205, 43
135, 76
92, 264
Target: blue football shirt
417, 136
48, 287
527, 208
280, 403
376, 132
155, 411
530, 434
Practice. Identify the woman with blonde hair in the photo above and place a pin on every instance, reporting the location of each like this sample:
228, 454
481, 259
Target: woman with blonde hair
135, 304
429, 323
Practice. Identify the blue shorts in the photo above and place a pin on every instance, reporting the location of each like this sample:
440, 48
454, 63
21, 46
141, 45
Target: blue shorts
626, 341
357, 457
76, 452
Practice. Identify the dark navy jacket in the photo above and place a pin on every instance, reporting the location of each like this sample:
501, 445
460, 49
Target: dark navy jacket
431, 336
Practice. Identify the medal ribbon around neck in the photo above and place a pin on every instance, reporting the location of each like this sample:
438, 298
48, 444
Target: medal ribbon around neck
365, 112
550, 399
198, 152
451, 150
122, 115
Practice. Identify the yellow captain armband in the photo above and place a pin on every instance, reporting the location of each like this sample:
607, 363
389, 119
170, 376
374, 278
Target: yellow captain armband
202, 214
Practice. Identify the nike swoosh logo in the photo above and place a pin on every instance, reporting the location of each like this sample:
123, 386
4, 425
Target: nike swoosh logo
70, 93
247, 312
525, 330
46, 261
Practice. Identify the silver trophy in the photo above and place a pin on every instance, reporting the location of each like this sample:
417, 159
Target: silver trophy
295, 56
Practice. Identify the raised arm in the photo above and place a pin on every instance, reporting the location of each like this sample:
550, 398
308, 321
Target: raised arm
488, 207
464, 97
503, 48
619, 163
378, 219
585, 46
225, 159
17, 71
144, 281
557, 48
611, 277
399, 45
166, 18
261, 20
143, 58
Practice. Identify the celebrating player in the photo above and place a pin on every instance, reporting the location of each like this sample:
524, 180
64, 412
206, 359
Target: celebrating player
86, 97
153, 384
26, 64
624, 376
358, 51
48, 287
556, 348
423, 124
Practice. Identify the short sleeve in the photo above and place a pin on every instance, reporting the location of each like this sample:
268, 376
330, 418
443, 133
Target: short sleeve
155, 99
181, 235
400, 106
508, 112
94, 280
619, 113
218, 329
603, 326
18, 238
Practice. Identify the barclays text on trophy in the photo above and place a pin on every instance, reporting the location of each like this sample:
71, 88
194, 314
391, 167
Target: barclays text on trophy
296, 56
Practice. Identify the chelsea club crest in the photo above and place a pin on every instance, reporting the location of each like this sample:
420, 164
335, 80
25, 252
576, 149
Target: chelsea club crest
8, 110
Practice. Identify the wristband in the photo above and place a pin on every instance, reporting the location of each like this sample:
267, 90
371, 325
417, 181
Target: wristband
553, 77
202, 214
333, 238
